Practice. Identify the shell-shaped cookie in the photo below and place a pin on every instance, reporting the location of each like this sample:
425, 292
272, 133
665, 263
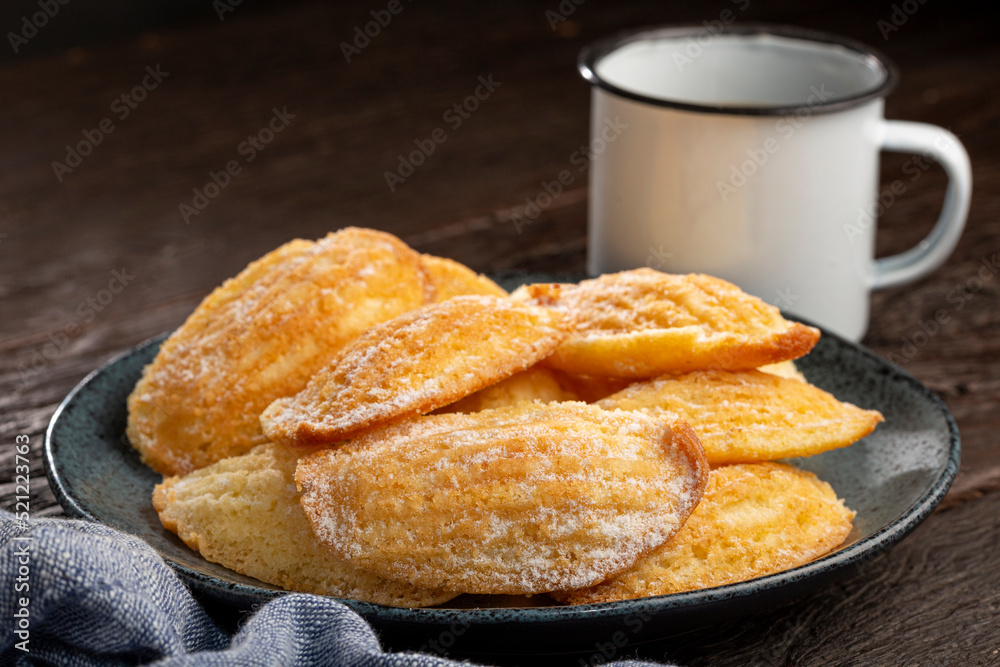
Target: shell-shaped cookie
754, 519
786, 369
413, 364
643, 323
245, 513
261, 335
451, 278
537, 383
517, 500
749, 416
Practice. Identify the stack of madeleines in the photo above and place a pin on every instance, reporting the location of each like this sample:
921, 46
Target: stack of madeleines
352, 418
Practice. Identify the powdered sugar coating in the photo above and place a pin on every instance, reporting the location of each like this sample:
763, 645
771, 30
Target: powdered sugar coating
642, 323
754, 519
415, 363
261, 335
516, 500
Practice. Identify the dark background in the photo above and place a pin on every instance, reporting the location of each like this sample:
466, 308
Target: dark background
934, 599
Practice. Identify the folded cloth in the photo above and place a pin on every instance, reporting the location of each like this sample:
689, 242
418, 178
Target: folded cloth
81, 594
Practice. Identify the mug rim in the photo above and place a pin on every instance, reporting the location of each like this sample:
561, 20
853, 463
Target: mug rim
592, 54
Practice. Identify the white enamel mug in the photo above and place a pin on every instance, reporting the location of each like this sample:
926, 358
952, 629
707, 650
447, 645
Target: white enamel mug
751, 153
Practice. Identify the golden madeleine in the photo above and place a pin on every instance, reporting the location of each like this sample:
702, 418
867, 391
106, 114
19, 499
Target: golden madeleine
643, 323
261, 336
451, 278
537, 383
749, 416
245, 513
591, 389
518, 500
786, 369
755, 519
413, 364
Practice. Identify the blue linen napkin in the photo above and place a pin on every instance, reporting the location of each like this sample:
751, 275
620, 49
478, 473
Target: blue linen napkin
85, 595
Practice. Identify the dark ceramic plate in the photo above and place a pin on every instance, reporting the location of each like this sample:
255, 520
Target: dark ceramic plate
893, 479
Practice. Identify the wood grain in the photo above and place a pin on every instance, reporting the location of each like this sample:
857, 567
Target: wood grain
930, 601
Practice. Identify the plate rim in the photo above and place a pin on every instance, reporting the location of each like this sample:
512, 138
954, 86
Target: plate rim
866, 549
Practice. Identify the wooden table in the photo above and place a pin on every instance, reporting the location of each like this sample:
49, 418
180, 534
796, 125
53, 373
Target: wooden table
197, 92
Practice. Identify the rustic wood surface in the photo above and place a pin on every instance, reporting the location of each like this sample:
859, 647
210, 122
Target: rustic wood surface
934, 599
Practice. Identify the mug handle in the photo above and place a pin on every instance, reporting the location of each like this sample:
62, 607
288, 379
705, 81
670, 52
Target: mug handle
945, 148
